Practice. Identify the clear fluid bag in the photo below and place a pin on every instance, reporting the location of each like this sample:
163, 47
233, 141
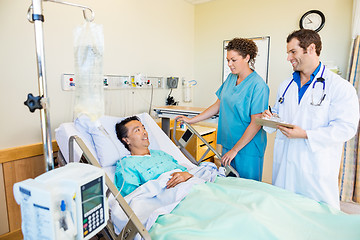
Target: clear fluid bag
89, 75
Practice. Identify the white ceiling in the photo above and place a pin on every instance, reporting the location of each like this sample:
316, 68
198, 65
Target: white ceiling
197, 1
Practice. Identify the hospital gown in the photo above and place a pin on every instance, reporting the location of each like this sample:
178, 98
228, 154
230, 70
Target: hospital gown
137, 170
237, 104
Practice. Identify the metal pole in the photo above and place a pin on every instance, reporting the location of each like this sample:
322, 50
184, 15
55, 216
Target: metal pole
38, 19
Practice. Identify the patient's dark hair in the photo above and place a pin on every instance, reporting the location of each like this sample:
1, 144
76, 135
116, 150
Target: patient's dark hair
122, 131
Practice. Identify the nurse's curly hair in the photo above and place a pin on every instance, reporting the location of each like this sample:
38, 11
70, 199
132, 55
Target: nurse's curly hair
244, 47
122, 131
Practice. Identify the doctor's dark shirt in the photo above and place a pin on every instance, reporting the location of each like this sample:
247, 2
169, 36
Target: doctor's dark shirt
302, 90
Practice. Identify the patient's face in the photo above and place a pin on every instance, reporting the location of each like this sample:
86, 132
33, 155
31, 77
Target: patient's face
137, 135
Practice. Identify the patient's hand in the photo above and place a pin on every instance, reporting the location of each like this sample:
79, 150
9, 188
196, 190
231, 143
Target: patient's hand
178, 177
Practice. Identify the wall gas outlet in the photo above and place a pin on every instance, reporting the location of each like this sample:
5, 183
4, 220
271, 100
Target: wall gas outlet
68, 82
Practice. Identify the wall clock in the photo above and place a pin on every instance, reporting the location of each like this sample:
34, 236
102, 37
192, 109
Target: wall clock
313, 20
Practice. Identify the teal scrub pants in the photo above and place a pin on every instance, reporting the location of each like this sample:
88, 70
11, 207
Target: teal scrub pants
249, 167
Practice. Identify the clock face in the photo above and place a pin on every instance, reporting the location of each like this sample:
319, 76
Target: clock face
313, 20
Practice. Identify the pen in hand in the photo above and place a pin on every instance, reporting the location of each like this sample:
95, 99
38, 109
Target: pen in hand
270, 109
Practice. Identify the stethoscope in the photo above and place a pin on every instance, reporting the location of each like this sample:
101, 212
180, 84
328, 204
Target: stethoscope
319, 79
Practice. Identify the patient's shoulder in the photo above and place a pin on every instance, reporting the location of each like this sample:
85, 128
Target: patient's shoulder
127, 161
157, 152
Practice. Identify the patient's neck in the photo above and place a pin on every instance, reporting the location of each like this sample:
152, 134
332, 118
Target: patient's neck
139, 151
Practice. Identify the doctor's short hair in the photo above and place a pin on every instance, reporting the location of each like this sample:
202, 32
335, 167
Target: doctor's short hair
306, 37
122, 130
244, 47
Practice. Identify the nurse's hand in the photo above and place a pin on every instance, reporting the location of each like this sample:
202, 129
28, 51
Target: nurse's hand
228, 157
178, 177
183, 119
296, 132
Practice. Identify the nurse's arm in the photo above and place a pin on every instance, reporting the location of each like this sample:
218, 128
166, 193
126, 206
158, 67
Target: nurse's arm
248, 135
296, 132
207, 113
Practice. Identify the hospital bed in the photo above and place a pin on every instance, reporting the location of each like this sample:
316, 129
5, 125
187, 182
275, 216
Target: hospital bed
228, 208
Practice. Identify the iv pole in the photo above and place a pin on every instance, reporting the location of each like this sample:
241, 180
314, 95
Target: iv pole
41, 102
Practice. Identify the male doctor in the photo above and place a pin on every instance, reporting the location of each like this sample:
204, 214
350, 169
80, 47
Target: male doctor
325, 111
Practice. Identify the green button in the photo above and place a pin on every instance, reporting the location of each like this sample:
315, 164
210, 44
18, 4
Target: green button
85, 220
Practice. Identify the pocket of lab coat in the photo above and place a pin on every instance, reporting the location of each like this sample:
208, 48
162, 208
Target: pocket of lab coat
319, 115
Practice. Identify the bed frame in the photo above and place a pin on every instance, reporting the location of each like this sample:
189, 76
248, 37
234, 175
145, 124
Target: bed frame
133, 226
229, 170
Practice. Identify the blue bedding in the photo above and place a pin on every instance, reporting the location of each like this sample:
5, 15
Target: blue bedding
233, 208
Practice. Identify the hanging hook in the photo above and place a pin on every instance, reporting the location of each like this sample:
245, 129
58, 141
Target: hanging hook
29, 14
84, 8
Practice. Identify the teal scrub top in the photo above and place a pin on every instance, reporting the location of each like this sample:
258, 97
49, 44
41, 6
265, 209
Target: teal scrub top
137, 170
237, 104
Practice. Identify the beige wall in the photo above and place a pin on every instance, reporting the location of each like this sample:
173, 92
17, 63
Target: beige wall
220, 20
154, 37
157, 37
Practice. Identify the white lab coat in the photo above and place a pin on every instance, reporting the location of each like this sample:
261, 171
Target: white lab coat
311, 166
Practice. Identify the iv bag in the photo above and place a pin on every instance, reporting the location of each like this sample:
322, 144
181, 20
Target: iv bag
89, 76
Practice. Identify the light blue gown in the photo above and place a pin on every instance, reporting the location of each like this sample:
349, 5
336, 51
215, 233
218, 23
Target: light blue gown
237, 104
137, 170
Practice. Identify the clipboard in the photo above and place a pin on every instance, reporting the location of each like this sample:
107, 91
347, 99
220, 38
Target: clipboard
271, 123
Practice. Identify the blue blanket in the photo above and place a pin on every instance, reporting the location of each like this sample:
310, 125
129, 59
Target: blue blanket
233, 208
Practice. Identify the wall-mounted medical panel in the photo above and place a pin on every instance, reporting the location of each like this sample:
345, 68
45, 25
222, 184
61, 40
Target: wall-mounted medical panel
68, 82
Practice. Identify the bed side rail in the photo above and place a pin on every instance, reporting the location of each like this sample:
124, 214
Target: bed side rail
134, 225
229, 170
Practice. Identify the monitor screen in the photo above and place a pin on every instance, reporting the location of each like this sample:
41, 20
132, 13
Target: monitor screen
92, 194
187, 135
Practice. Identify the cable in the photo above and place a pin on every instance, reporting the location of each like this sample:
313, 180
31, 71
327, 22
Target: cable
151, 99
170, 100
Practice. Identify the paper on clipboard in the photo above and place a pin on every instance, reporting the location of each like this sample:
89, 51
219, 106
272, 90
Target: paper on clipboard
272, 123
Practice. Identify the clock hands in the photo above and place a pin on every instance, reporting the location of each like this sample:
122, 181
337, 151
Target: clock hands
309, 20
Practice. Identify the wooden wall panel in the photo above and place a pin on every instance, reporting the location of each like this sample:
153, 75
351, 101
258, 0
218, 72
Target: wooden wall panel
18, 164
4, 226
16, 171
16, 153
14, 235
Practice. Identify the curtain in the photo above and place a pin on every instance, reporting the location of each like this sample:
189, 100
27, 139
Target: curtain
349, 177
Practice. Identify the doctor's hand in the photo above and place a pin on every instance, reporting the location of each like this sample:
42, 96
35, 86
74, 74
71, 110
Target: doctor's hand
296, 132
178, 177
266, 114
228, 157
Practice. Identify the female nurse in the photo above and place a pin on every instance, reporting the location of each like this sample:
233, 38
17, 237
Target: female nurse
241, 99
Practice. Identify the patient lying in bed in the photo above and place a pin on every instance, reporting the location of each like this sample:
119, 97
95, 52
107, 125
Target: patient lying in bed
143, 165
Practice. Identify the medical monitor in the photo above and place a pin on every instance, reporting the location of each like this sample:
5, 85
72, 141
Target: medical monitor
65, 203
185, 138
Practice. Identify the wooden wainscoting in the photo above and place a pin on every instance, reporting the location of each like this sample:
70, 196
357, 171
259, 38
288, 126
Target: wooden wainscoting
18, 164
